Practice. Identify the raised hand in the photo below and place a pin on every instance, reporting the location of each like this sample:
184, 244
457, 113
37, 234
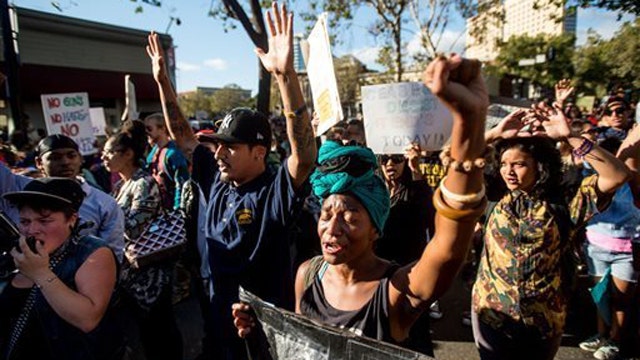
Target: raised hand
279, 59
156, 54
511, 124
412, 154
554, 122
563, 90
461, 99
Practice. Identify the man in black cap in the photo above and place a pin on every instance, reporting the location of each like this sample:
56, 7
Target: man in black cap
59, 156
250, 210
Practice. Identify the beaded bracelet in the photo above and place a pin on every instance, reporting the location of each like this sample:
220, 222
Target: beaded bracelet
461, 166
462, 215
584, 148
463, 199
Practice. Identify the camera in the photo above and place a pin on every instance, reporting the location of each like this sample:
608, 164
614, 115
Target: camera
9, 237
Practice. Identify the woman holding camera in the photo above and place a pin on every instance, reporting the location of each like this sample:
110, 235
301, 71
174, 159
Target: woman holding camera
56, 306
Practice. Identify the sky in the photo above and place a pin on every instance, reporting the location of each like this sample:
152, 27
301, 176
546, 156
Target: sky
208, 56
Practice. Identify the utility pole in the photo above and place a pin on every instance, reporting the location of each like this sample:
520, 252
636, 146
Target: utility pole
10, 42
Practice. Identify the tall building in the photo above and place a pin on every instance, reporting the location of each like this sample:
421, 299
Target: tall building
521, 17
298, 58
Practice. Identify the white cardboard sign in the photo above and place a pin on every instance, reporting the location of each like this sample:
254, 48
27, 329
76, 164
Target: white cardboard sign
68, 114
322, 78
98, 122
396, 115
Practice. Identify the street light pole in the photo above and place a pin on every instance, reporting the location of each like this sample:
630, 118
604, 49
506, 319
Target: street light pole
9, 41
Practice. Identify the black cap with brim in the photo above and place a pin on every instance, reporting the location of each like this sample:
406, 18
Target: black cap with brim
244, 126
57, 192
226, 139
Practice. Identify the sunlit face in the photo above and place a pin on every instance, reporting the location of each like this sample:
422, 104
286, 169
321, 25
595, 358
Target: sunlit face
49, 227
155, 131
239, 163
113, 157
345, 229
615, 116
518, 170
392, 167
60, 163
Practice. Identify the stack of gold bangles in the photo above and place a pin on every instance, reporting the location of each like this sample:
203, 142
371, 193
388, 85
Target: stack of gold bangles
463, 215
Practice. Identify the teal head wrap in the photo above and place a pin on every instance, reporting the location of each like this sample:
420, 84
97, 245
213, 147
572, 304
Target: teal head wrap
350, 170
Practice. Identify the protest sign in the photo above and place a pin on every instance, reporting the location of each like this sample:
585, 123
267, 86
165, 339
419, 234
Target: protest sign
68, 114
131, 105
98, 121
284, 335
322, 78
396, 115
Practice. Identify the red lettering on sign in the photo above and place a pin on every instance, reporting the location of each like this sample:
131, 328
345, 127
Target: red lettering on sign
53, 102
56, 118
70, 129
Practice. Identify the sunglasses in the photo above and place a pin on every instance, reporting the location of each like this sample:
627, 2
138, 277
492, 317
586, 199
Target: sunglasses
618, 111
396, 159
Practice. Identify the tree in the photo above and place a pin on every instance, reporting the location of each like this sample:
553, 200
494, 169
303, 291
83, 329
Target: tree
600, 64
390, 24
215, 104
546, 74
592, 66
249, 15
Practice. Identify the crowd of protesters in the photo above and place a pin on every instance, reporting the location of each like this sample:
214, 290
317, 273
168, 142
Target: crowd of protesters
322, 226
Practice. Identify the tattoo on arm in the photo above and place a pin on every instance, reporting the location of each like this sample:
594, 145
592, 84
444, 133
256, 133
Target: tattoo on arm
302, 136
175, 119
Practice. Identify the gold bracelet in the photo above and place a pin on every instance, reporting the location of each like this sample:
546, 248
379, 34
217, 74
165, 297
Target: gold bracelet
296, 114
462, 215
463, 199
46, 281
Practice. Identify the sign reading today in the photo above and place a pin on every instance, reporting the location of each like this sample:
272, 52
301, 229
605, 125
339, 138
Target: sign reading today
396, 115
322, 78
68, 114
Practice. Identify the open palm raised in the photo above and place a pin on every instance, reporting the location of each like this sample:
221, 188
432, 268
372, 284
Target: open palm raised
279, 59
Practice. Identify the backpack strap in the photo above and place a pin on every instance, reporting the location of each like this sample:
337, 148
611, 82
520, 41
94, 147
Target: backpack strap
314, 266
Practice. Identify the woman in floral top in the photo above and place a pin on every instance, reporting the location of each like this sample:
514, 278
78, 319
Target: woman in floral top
519, 307
146, 292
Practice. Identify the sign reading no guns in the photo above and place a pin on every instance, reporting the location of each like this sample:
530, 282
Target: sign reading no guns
68, 114
396, 115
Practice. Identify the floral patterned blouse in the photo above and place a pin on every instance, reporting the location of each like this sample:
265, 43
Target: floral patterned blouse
519, 276
139, 198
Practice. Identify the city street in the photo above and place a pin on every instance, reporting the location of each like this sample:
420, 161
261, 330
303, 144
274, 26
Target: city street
453, 340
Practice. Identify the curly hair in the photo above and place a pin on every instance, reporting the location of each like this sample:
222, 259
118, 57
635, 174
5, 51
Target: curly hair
548, 165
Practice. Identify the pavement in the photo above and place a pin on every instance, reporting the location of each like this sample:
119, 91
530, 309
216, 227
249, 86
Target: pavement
452, 339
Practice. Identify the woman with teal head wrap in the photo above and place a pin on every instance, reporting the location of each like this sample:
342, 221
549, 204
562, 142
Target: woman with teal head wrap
349, 169
348, 286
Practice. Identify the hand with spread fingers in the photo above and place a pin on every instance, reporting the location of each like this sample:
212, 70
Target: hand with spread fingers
279, 59
554, 122
563, 90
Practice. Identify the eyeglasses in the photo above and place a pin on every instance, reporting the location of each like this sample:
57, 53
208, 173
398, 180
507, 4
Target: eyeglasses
396, 159
618, 111
111, 152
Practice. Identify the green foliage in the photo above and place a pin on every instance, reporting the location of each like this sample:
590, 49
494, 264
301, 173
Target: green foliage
216, 104
525, 47
602, 63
